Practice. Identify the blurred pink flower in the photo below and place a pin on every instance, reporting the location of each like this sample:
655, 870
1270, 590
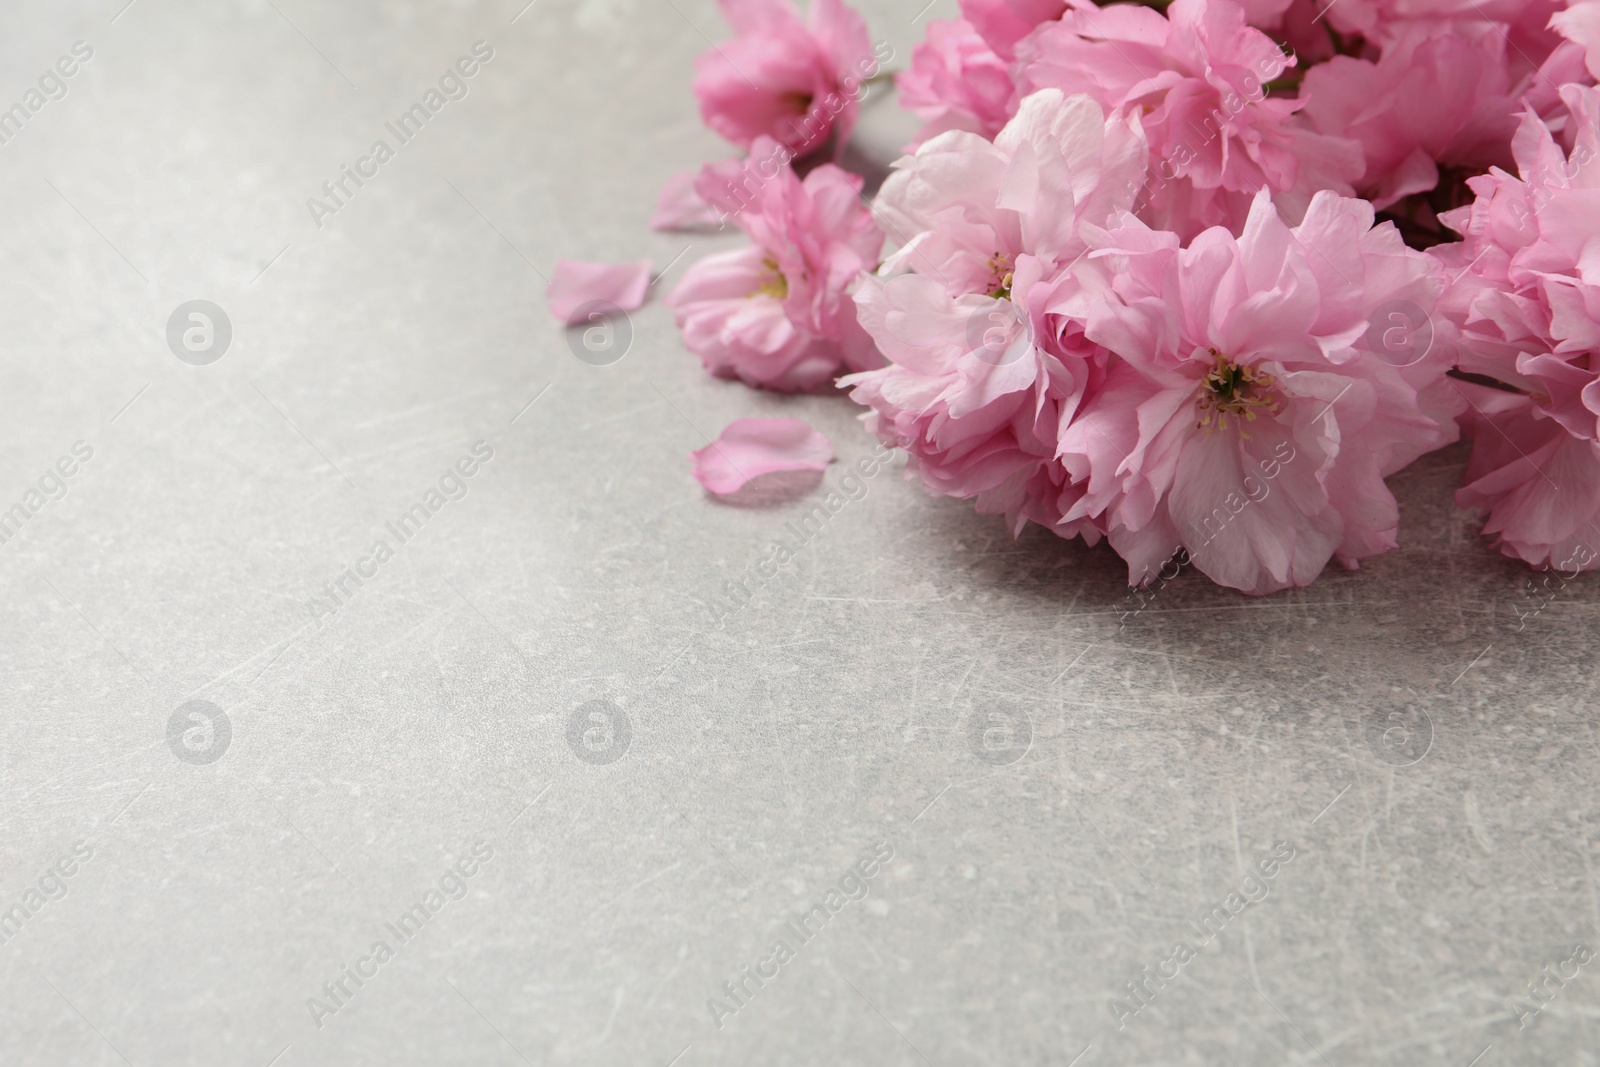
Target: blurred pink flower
796, 82
1002, 23
1196, 78
1266, 14
956, 83
1380, 22
778, 314
1255, 422
1527, 302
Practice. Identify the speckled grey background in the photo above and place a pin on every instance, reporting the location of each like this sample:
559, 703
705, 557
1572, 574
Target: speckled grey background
1417, 735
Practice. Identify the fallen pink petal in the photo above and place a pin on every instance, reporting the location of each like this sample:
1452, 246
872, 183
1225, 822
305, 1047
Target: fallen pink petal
749, 448
679, 207
575, 283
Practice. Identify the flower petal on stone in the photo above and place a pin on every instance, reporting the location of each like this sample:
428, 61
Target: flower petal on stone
575, 283
749, 448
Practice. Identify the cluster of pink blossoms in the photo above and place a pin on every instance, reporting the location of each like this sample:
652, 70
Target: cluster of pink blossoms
1188, 277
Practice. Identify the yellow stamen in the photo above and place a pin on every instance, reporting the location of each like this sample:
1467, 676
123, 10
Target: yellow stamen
1234, 389
1000, 265
776, 286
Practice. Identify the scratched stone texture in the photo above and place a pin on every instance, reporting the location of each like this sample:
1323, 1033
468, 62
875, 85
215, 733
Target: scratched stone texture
530, 708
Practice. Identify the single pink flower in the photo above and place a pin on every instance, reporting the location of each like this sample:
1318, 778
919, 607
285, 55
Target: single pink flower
1254, 416
749, 448
1526, 299
956, 83
576, 284
778, 314
977, 390
1196, 78
987, 361
796, 82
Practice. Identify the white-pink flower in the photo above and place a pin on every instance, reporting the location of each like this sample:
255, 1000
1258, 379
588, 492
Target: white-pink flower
974, 313
965, 210
1580, 23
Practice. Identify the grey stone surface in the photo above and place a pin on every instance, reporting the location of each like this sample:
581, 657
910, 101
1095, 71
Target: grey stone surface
1422, 741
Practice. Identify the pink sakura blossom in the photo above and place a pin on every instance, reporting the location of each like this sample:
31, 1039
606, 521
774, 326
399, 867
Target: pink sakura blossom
1251, 422
777, 314
1197, 78
749, 448
956, 83
796, 82
1527, 303
974, 313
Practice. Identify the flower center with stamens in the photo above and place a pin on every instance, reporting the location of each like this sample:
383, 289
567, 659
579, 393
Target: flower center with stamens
1000, 276
1234, 389
776, 285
